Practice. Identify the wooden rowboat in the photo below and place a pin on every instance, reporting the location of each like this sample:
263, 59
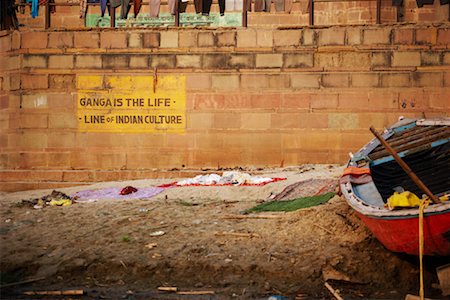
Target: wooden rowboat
373, 175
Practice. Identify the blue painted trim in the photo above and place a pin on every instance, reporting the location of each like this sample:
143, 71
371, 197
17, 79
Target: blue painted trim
404, 127
404, 153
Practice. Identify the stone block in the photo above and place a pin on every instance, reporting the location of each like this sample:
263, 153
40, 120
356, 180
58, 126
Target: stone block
200, 120
188, 61
406, 59
88, 61
264, 38
443, 36
244, 61
34, 40
206, 39
15, 39
324, 100
169, 39
428, 79
301, 81
381, 99
163, 61
216, 61
60, 61
33, 140
279, 81
61, 101
309, 37
226, 39
34, 81
339, 80
353, 101
225, 81
395, 80
430, 58
440, 100
33, 121
353, 36
5, 43
62, 81
35, 61
286, 38
256, 121
364, 80
343, 120
381, 59
151, 39
298, 60
227, 120
61, 40
139, 61
62, 121
246, 38
113, 39
135, 40
269, 60
403, 36
86, 39
377, 36
34, 101
115, 61
326, 60
446, 58
426, 36
187, 39
331, 36
360, 60
254, 81
198, 81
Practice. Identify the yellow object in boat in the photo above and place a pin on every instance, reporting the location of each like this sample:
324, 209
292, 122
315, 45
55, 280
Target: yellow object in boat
403, 199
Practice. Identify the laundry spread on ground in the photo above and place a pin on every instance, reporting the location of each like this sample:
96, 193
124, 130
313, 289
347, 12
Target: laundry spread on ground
291, 205
310, 187
228, 178
116, 193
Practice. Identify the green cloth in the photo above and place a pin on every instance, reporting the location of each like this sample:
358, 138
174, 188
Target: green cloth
291, 205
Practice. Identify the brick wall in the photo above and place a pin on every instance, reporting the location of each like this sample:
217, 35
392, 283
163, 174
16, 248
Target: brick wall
255, 97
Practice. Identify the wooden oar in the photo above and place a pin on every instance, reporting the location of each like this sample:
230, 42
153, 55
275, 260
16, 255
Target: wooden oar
405, 167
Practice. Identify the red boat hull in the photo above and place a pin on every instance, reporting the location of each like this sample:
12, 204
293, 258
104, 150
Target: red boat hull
402, 234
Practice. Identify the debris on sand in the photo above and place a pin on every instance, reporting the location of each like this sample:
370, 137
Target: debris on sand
55, 198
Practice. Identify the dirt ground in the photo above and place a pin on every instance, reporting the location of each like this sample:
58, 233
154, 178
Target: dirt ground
107, 248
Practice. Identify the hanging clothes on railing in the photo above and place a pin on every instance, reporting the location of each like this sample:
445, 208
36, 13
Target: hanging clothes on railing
154, 8
125, 9
103, 7
172, 7
206, 7
34, 8
136, 7
421, 3
198, 6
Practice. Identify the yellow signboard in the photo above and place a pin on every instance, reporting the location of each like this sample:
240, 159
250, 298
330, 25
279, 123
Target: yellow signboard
131, 103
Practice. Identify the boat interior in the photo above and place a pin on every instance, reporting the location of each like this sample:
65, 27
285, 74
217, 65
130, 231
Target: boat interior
424, 148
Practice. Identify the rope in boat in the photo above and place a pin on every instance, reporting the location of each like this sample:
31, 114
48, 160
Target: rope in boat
423, 204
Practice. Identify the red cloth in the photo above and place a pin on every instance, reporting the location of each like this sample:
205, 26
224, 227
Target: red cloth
137, 7
128, 190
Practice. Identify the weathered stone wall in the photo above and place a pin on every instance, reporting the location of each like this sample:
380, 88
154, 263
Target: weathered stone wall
255, 97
